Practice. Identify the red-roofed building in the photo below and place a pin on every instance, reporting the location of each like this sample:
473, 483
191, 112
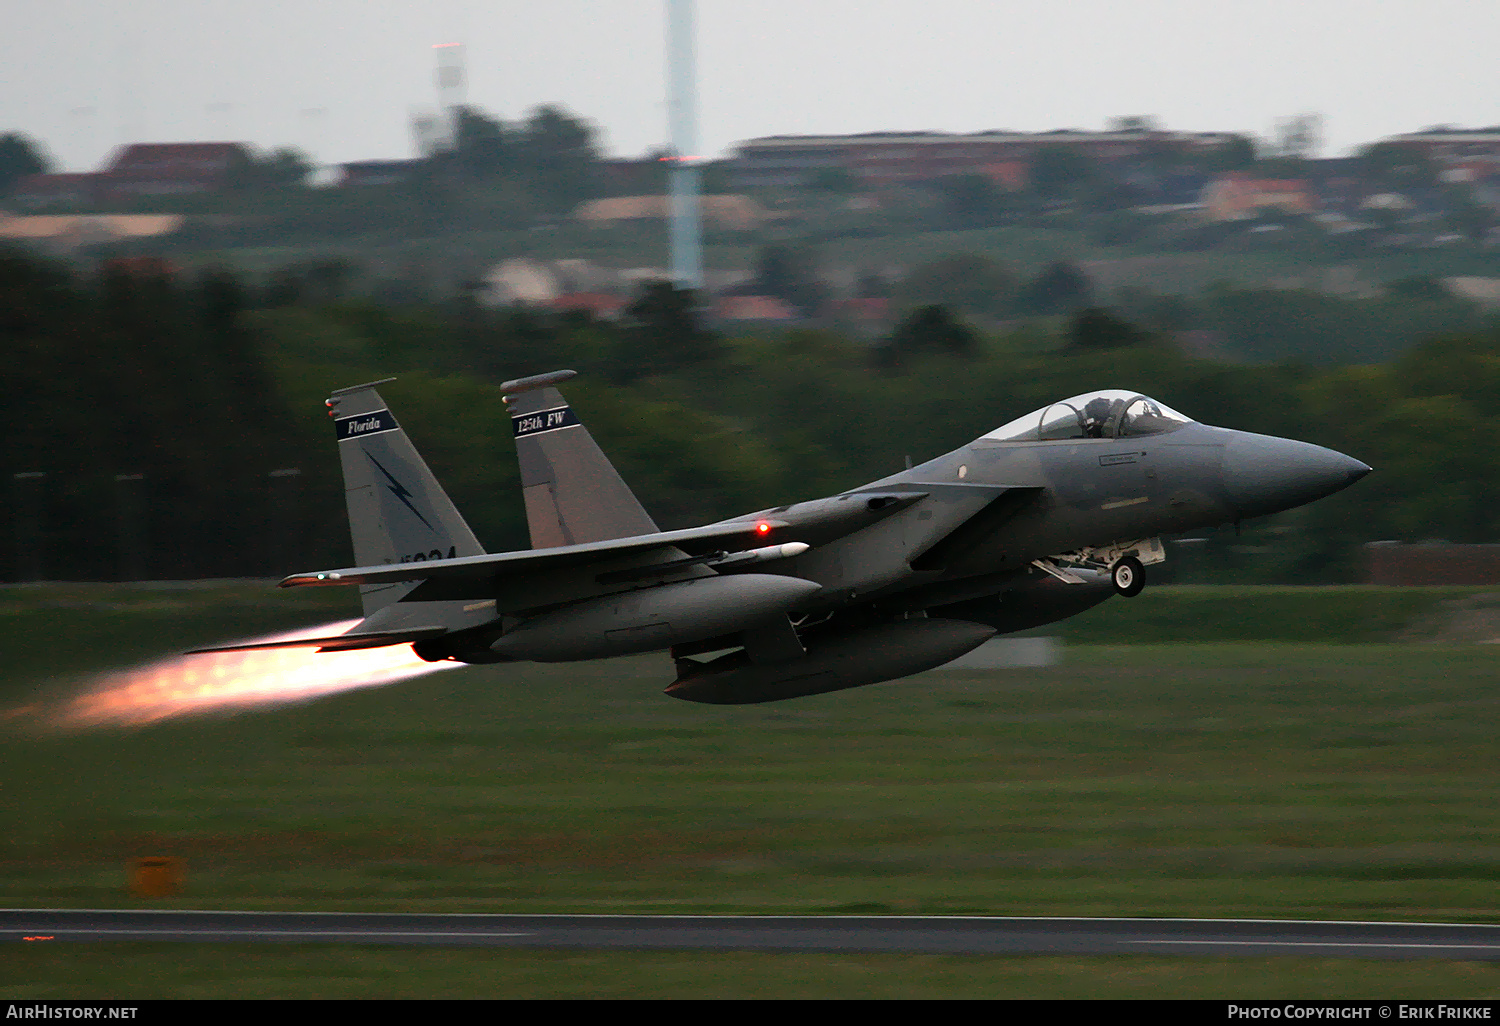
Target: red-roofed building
163, 169
1444, 144
888, 158
139, 170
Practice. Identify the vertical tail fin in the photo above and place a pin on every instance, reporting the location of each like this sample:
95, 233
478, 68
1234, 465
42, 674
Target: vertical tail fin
398, 513
573, 493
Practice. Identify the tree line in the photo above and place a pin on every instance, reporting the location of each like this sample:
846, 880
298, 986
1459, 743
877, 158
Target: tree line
167, 411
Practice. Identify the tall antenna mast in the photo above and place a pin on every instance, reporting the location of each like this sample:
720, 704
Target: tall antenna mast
682, 111
452, 87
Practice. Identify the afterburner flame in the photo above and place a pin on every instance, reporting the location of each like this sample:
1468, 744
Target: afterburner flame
220, 681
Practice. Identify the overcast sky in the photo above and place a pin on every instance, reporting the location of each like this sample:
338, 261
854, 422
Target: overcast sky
341, 78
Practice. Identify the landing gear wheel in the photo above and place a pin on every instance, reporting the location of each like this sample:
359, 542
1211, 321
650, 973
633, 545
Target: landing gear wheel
1129, 576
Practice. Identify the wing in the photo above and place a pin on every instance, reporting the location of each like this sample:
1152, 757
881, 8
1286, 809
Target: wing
739, 534
814, 523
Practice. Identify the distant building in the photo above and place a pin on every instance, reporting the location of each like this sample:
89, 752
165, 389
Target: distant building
740, 213
1238, 196
166, 169
887, 158
1445, 145
140, 170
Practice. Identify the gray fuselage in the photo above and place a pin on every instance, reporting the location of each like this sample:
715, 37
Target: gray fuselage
1065, 495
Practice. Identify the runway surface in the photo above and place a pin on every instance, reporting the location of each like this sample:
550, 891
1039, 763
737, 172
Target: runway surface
924, 934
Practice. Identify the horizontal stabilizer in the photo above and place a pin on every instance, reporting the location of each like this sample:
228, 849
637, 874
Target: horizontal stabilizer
337, 642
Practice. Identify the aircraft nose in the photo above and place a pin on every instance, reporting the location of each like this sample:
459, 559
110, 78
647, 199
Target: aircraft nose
1264, 475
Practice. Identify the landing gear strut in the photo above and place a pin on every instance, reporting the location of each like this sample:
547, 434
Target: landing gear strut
1129, 576
1121, 560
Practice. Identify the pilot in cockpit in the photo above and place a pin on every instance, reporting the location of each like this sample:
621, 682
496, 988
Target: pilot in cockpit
1110, 413
1095, 417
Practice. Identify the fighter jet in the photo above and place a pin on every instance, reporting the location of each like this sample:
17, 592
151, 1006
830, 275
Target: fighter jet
1034, 522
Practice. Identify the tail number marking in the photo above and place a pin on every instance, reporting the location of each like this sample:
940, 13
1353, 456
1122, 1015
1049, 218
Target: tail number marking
422, 557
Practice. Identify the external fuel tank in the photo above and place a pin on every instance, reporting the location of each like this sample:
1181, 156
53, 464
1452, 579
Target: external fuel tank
847, 659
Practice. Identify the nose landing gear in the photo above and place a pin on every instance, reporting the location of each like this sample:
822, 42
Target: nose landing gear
1122, 561
1129, 576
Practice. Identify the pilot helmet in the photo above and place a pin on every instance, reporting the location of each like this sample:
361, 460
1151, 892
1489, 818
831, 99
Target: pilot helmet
1096, 415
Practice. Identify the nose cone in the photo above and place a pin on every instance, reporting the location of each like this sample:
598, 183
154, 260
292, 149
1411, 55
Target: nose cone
1265, 475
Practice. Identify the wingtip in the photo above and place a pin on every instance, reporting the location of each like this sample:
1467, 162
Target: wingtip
324, 579
536, 381
360, 388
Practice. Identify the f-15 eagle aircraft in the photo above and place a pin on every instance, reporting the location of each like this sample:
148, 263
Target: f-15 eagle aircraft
1036, 521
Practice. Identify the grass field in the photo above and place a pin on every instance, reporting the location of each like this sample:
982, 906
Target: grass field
1248, 779
130, 971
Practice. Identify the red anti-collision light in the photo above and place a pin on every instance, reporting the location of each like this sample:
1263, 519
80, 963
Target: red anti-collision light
762, 528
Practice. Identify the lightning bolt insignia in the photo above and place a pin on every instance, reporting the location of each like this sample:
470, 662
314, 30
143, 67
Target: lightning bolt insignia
398, 489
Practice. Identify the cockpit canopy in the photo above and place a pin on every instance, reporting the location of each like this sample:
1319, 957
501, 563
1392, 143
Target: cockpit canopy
1111, 413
